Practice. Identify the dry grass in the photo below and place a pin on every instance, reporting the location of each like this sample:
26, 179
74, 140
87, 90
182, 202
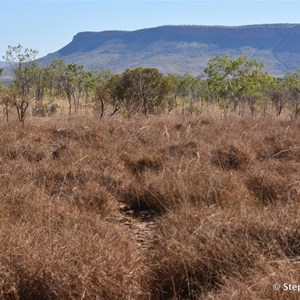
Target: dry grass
223, 193
200, 249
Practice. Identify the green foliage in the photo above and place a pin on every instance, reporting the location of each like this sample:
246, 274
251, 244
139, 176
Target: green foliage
41, 80
237, 83
123, 111
278, 92
23, 65
185, 85
101, 97
222, 103
292, 83
172, 103
236, 79
73, 81
197, 110
44, 110
188, 87
138, 90
258, 105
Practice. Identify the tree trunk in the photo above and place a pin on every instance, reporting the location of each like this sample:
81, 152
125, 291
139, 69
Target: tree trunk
6, 111
70, 105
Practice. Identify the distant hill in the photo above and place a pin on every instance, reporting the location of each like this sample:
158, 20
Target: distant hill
5, 78
3, 64
184, 48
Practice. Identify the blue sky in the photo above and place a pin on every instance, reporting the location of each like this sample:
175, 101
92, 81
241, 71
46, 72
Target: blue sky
49, 25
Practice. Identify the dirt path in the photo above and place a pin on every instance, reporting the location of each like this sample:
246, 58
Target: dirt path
140, 224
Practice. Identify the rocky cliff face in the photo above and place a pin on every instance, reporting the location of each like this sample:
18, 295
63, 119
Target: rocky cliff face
184, 48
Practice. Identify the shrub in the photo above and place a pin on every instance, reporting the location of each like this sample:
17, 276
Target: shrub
229, 158
44, 110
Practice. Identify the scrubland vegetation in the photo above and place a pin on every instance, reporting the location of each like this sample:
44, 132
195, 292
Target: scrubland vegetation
145, 186
223, 195
238, 85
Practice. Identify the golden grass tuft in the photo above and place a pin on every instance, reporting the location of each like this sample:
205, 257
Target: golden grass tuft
229, 158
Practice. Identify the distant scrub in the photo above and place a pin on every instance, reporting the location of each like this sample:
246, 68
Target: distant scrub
233, 86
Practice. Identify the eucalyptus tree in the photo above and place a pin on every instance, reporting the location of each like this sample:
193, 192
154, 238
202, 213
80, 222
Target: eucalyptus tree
255, 85
183, 86
119, 93
177, 89
138, 90
41, 82
62, 80
236, 79
7, 96
97, 89
22, 63
174, 85
292, 82
71, 79
147, 88
278, 94
102, 96
195, 88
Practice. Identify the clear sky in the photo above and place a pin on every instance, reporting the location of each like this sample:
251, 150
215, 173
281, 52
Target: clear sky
49, 25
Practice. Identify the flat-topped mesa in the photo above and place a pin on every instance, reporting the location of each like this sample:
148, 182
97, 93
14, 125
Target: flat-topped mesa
185, 48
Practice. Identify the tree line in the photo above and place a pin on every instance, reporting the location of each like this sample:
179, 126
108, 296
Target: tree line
235, 85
